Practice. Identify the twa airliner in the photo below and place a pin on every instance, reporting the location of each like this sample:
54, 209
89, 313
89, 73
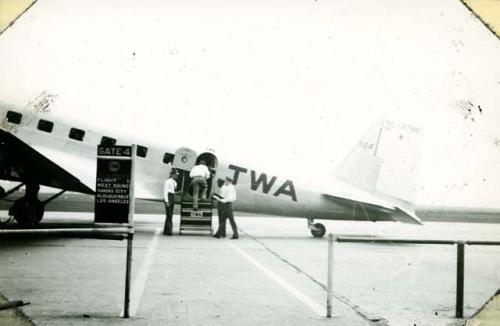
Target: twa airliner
37, 153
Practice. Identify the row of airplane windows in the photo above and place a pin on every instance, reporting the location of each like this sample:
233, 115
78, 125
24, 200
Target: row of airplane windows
79, 134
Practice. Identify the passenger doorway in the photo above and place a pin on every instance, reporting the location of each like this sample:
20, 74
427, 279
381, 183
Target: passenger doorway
211, 162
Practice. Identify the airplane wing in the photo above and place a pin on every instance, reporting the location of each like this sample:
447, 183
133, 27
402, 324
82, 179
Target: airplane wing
50, 166
19, 161
84, 168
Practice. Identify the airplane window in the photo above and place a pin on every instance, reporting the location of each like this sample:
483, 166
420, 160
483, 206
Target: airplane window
76, 134
168, 158
14, 117
141, 151
45, 125
108, 141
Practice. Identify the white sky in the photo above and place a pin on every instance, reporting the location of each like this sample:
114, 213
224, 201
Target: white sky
288, 86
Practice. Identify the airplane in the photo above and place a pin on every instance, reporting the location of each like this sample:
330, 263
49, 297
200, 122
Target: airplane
36, 151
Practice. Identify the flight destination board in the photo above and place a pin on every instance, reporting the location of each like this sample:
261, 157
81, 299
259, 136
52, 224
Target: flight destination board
112, 194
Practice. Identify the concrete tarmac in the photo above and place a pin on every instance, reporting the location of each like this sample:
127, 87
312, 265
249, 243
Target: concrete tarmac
275, 274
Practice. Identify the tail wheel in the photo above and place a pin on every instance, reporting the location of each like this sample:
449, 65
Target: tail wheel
318, 231
27, 213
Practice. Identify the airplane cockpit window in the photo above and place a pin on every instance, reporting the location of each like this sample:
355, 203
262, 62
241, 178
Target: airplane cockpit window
14, 117
108, 141
168, 158
45, 125
142, 151
76, 134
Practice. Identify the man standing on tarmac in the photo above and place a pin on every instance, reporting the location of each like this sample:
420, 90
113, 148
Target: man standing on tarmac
168, 197
226, 199
199, 175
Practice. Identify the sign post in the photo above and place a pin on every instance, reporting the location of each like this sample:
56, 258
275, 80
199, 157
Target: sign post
114, 198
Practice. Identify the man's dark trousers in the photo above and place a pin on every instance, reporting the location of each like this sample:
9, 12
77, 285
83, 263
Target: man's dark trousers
169, 212
226, 212
220, 215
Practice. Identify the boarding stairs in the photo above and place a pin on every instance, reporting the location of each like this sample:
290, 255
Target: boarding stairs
199, 220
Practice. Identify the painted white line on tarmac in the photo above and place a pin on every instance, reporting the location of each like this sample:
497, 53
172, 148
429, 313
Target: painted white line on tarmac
142, 276
313, 305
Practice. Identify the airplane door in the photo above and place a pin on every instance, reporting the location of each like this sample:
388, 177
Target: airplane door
211, 162
184, 159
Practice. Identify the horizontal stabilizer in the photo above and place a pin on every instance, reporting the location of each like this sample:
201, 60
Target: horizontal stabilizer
347, 191
398, 210
407, 216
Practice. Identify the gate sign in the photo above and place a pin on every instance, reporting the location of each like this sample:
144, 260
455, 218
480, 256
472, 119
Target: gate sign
112, 191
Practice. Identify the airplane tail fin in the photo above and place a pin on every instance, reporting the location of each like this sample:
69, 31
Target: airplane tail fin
385, 164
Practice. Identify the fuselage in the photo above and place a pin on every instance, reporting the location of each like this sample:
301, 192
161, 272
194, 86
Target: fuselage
258, 192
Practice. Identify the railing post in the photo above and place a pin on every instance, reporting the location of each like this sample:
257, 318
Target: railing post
330, 275
459, 312
128, 273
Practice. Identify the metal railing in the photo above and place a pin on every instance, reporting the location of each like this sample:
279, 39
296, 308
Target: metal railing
459, 304
103, 232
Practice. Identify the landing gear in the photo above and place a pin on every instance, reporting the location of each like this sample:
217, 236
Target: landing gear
27, 213
318, 230
28, 210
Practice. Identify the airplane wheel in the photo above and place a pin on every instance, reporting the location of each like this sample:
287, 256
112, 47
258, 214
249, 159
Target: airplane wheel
27, 213
319, 230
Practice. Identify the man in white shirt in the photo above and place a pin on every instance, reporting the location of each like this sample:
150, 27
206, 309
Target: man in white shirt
199, 175
226, 199
168, 199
